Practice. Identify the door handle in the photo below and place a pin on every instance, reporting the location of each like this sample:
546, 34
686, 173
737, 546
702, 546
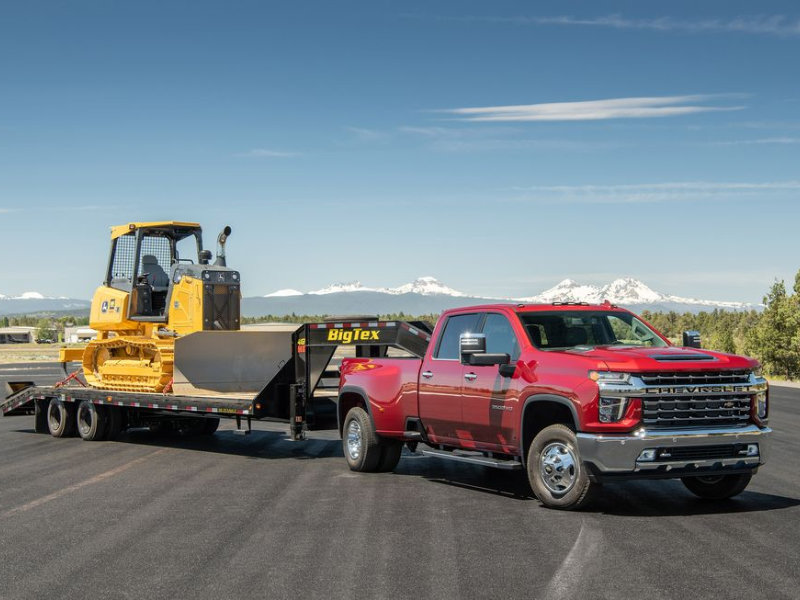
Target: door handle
427, 374
470, 376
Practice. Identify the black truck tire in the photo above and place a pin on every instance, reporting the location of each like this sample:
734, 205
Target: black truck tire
717, 487
210, 426
60, 418
555, 471
40, 416
92, 421
114, 422
362, 446
390, 455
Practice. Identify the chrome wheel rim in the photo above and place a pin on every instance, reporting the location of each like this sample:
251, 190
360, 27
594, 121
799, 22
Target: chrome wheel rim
558, 467
354, 442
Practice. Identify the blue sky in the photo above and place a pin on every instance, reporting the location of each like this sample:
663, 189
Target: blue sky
499, 146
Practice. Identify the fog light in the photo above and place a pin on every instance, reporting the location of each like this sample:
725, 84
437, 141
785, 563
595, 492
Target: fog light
752, 449
611, 410
648, 455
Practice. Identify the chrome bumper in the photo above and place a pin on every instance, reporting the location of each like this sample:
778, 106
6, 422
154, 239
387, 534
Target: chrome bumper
608, 454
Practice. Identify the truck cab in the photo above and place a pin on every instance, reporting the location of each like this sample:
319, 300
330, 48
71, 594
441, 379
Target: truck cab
575, 394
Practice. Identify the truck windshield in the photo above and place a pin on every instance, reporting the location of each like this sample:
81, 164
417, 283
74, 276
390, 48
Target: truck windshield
564, 329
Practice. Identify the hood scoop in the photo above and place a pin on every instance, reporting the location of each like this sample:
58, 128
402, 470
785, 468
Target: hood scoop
682, 357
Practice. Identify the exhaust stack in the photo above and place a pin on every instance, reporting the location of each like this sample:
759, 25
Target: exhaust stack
221, 239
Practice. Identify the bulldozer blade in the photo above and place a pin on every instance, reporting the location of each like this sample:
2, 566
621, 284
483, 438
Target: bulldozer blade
229, 362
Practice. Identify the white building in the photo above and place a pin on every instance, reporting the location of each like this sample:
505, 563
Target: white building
76, 335
17, 335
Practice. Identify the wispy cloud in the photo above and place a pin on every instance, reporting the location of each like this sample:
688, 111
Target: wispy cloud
642, 193
761, 141
265, 153
593, 110
362, 134
778, 25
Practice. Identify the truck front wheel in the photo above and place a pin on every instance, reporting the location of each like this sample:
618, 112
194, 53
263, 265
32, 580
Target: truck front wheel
555, 471
717, 487
362, 446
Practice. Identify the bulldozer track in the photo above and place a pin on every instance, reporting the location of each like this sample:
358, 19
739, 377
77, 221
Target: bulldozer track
129, 364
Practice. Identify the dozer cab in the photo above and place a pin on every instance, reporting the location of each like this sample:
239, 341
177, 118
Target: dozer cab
160, 285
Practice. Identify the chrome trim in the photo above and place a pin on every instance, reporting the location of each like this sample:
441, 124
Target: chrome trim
636, 388
615, 453
470, 376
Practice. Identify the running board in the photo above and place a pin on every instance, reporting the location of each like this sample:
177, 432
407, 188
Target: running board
494, 463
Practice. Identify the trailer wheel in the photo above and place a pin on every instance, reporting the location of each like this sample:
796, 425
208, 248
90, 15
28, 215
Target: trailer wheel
60, 418
92, 421
362, 447
114, 422
390, 455
555, 471
717, 487
210, 426
40, 416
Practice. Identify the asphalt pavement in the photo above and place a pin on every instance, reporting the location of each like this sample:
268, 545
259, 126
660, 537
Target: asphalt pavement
263, 517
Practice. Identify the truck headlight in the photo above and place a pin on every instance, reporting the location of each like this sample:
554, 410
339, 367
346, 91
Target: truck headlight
758, 371
611, 410
761, 405
609, 377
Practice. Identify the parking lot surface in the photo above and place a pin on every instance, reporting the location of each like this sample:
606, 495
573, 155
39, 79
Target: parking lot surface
229, 516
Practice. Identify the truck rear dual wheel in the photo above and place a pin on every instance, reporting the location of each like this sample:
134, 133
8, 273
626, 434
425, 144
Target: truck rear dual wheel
717, 487
555, 471
364, 449
61, 418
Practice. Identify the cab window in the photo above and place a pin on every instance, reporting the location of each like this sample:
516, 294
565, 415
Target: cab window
453, 328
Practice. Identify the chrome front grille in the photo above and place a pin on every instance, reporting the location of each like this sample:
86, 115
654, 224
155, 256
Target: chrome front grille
695, 411
695, 378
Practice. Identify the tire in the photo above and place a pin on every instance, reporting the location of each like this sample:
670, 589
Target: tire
114, 422
390, 455
555, 471
92, 421
191, 427
60, 418
210, 426
40, 416
718, 487
362, 447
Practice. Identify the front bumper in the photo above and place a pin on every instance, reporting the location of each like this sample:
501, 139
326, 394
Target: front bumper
678, 452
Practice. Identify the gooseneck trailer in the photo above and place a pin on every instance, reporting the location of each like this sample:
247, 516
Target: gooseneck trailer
282, 375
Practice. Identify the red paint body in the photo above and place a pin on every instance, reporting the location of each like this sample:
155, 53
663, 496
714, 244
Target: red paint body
486, 412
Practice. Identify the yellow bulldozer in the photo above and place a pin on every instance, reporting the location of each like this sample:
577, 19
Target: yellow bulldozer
160, 286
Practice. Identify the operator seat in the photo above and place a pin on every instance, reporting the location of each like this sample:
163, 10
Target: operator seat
158, 280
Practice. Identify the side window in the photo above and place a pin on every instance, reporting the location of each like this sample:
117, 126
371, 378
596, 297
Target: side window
455, 326
500, 337
124, 249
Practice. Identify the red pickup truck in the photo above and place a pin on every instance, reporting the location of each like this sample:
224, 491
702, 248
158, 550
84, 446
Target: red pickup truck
575, 394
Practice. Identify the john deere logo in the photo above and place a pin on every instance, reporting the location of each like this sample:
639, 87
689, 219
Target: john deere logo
350, 336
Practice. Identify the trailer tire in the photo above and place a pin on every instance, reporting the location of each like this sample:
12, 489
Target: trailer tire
719, 487
555, 471
362, 447
390, 455
92, 421
60, 418
210, 426
40, 416
114, 422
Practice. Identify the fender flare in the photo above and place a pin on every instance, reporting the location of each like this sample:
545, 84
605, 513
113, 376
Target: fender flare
533, 398
351, 389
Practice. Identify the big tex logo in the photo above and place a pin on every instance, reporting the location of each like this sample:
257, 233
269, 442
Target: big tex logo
350, 336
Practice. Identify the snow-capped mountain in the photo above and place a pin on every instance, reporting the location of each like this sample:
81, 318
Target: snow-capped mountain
427, 295
34, 302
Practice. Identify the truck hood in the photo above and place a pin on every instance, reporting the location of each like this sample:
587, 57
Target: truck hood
670, 358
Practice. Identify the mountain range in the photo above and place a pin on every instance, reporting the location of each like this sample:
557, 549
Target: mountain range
425, 295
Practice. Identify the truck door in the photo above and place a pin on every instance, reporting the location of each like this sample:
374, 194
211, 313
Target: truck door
490, 402
441, 379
